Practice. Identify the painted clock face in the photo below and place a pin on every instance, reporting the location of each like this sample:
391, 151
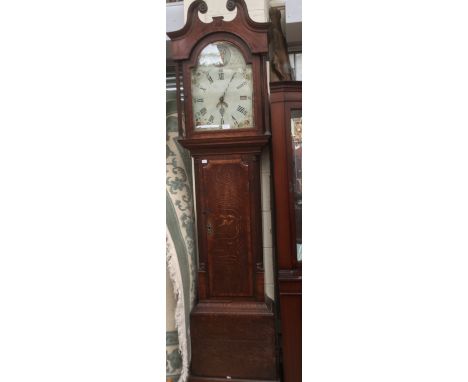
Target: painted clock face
222, 89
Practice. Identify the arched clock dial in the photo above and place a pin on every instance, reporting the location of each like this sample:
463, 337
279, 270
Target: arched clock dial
222, 89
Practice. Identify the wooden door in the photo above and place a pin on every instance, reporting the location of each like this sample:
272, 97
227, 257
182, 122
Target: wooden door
226, 224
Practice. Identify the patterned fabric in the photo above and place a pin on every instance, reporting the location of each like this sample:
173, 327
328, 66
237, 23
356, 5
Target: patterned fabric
173, 356
180, 245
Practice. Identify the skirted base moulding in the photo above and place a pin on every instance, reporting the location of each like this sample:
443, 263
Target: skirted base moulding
233, 341
208, 379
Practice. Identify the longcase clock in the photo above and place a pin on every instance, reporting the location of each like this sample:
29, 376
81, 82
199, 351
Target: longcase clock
223, 122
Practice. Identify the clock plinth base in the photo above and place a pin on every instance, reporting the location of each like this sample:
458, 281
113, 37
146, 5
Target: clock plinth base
208, 379
235, 339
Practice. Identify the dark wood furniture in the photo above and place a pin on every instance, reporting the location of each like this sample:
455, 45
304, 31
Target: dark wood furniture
286, 127
232, 325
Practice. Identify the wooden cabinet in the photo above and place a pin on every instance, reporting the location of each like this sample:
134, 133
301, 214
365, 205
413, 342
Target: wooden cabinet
286, 128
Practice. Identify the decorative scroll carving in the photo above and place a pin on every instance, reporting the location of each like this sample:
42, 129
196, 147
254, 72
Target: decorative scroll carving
202, 7
253, 34
279, 59
230, 5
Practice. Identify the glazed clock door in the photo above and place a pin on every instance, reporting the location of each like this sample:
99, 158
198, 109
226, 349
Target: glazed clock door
226, 208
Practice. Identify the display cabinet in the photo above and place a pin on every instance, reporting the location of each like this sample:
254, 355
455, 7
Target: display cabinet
286, 128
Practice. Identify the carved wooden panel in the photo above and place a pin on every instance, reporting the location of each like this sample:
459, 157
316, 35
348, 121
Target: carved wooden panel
226, 231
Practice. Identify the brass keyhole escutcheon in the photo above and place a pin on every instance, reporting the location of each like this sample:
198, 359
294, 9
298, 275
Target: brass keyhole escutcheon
209, 229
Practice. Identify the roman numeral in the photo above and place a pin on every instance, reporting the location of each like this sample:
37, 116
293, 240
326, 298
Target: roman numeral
209, 78
203, 111
204, 89
242, 110
235, 120
221, 75
242, 84
243, 98
211, 119
198, 99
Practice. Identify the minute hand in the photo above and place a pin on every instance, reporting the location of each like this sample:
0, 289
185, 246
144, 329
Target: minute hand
222, 97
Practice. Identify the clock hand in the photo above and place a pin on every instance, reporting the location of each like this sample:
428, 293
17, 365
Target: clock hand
221, 111
221, 99
221, 102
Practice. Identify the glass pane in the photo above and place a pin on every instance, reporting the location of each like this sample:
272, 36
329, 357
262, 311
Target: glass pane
296, 140
298, 67
222, 89
293, 64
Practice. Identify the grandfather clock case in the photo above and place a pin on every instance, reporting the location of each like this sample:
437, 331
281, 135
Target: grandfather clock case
223, 122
